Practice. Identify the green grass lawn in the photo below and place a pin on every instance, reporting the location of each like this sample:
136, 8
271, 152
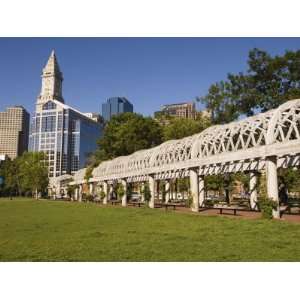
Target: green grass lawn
43, 230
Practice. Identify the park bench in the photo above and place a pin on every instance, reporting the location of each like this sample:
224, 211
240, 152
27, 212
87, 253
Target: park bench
137, 203
292, 203
114, 202
241, 202
212, 201
158, 204
223, 207
171, 204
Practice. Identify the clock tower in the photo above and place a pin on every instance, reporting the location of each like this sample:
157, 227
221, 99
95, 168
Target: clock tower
52, 79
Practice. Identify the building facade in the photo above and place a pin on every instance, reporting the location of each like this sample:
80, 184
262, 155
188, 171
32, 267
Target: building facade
185, 110
66, 135
115, 106
94, 116
14, 131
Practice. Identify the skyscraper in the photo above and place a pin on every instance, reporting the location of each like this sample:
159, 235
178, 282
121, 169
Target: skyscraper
66, 135
14, 131
115, 106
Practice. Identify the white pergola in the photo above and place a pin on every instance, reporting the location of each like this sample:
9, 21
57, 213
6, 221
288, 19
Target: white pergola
263, 142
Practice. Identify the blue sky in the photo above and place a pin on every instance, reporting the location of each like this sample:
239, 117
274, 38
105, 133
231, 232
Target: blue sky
148, 71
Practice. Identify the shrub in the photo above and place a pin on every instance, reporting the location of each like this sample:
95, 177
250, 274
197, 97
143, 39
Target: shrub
83, 196
102, 195
266, 206
147, 193
89, 197
71, 190
209, 203
120, 191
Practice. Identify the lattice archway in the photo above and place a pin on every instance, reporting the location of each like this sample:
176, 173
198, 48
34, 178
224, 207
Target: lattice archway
244, 137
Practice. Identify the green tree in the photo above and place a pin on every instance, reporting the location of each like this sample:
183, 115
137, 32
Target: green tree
290, 178
33, 172
120, 191
178, 128
127, 133
220, 103
243, 178
102, 194
213, 182
9, 170
268, 82
147, 193
71, 191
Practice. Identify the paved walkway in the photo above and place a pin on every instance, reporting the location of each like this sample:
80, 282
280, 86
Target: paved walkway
244, 214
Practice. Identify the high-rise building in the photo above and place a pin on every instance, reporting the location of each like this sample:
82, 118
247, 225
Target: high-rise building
14, 131
185, 110
115, 106
65, 134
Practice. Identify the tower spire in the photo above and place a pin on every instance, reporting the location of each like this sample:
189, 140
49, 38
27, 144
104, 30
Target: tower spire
52, 65
52, 79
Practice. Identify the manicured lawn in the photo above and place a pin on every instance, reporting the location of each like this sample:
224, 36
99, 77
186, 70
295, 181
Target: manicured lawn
43, 230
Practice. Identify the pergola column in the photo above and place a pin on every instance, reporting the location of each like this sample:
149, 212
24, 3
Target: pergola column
142, 192
80, 193
105, 190
76, 194
124, 197
167, 191
272, 182
194, 186
91, 188
253, 190
201, 191
58, 188
152, 190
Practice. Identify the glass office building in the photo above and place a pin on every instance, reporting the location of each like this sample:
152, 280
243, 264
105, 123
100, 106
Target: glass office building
66, 135
115, 106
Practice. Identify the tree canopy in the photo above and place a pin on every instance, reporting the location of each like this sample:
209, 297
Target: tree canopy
9, 171
178, 128
268, 82
130, 132
127, 133
25, 174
